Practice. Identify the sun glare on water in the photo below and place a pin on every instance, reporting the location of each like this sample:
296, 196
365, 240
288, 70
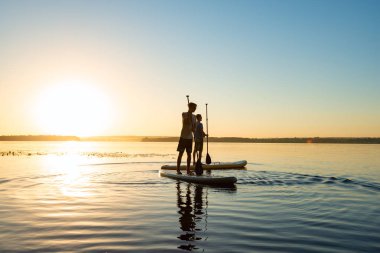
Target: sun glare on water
73, 108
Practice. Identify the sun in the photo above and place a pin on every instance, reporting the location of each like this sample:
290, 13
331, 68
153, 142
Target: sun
73, 108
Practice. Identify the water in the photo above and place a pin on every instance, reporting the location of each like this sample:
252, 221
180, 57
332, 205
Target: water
109, 197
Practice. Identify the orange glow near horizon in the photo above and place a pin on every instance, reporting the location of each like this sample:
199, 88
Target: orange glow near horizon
73, 108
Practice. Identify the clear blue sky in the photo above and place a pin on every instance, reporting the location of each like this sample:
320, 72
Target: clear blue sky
267, 68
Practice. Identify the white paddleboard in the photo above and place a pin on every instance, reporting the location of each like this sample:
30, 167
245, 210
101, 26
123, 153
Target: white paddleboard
204, 179
212, 166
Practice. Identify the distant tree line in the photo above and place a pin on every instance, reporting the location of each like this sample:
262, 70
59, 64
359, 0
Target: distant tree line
38, 138
113, 138
348, 140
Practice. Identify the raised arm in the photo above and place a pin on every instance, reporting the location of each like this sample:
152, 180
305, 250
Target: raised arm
188, 120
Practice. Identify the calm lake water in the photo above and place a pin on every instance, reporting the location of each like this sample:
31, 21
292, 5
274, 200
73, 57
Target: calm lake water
109, 197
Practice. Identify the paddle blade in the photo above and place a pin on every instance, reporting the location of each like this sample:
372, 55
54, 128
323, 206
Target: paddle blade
208, 159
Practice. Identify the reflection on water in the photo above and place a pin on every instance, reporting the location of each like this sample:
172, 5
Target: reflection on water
74, 181
192, 213
192, 203
291, 198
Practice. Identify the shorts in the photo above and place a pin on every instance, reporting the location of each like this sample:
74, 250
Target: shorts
198, 146
185, 144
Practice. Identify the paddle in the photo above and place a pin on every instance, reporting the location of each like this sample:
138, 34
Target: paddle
208, 158
191, 116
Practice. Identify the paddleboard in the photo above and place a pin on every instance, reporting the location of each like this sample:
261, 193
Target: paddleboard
212, 166
204, 179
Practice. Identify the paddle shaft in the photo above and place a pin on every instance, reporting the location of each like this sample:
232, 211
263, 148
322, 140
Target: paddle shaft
188, 102
207, 127
208, 157
191, 116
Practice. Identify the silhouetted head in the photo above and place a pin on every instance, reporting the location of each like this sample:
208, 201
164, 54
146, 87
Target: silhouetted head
192, 106
199, 117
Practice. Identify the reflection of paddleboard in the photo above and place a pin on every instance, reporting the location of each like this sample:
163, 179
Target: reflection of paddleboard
204, 179
213, 166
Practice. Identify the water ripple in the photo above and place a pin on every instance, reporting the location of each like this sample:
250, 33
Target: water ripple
127, 207
291, 179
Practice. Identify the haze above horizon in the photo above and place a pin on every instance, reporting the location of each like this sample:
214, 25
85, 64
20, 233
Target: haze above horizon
266, 68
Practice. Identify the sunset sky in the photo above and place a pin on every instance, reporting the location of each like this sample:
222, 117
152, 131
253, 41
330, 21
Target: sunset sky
267, 68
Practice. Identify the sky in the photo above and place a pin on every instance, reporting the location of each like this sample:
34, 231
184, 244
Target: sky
270, 68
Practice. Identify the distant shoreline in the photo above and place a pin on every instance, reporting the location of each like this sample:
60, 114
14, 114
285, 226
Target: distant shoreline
331, 140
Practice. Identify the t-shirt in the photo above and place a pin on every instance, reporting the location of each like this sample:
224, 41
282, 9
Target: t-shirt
198, 134
187, 129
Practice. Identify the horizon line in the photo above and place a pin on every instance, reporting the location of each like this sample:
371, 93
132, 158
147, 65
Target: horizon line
171, 136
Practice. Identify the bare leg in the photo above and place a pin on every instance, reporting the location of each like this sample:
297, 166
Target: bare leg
200, 155
194, 157
179, 161
188, 163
